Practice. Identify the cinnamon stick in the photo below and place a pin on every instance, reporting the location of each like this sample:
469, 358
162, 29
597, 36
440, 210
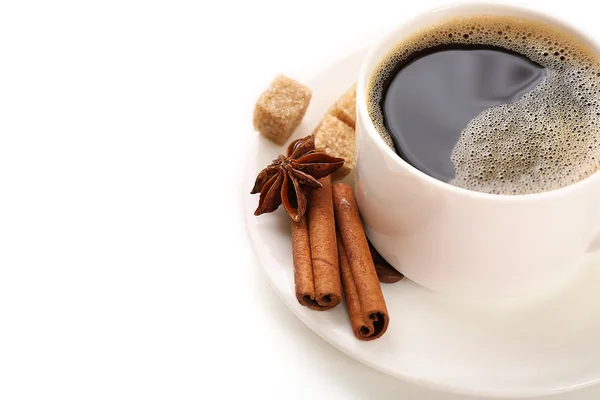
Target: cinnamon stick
366, 306
303, 275
316, 269
385, 272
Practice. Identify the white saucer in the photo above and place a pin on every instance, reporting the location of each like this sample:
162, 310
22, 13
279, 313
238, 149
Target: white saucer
548, 346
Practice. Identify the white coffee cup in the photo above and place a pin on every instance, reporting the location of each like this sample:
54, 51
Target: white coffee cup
461, 242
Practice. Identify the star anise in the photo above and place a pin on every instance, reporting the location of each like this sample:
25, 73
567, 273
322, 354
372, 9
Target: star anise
288, 179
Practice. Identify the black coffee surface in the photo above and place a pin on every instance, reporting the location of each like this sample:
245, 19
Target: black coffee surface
431, 97
495, 104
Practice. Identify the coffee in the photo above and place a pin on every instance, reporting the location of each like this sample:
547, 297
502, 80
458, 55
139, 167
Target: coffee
493, 104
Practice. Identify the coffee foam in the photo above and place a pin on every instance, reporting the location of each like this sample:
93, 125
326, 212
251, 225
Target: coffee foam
547, 139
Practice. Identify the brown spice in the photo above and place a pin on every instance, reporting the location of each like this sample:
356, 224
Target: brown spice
366, 305
385, 272
316, 270
288, 179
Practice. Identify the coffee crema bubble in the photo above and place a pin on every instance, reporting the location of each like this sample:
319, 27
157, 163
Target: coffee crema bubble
546, 139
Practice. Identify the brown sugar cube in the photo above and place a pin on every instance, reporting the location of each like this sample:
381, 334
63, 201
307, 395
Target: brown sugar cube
345, 107
280, 108
334, 137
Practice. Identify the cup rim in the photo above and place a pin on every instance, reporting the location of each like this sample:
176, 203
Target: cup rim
477, 8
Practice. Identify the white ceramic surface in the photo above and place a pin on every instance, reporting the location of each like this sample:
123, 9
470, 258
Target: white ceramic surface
545, 346
461, 242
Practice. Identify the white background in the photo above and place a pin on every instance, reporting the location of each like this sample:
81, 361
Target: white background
125, 272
